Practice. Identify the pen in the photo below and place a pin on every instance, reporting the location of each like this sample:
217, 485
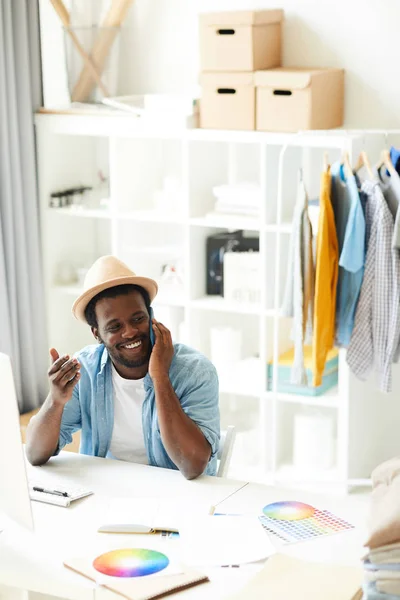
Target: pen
54, 492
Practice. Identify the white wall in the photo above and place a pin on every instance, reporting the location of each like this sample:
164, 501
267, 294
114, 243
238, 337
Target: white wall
159, 49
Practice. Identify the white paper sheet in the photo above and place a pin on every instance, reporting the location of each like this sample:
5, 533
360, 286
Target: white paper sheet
224, 541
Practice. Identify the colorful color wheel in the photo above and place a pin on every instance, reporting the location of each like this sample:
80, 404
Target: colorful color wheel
130, 562
288, 511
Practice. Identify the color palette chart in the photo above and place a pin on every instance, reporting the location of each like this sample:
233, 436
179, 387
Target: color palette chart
297, 522
130, 562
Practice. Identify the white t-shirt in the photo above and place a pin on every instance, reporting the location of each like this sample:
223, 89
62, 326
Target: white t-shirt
127, 441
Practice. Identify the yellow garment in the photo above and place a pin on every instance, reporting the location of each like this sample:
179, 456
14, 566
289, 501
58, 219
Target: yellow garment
327, 266
286, 359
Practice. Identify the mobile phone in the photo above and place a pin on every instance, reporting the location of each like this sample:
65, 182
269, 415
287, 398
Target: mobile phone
152, 338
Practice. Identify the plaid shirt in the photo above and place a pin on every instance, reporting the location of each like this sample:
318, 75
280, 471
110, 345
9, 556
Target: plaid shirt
375, 338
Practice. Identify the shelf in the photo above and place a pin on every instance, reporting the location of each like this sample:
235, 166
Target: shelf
153, 216
227, 222
90, 213
219, 304
70, 122
150, 216
239, 222
330, 399
334, 138
209, 303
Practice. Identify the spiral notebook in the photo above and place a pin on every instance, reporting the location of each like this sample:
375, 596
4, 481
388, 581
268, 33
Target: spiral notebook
141, 588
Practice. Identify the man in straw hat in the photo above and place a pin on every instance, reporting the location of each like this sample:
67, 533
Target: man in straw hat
132, 400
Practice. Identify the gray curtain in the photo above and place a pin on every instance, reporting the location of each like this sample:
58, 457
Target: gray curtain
22, 309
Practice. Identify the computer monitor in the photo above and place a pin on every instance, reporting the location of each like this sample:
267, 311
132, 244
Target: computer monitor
14, 491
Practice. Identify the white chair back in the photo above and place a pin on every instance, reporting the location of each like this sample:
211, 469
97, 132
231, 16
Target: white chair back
224, 455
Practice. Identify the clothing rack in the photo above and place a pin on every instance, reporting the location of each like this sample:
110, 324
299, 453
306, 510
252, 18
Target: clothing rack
351, 138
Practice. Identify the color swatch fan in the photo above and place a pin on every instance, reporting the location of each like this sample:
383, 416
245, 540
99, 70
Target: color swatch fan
297, 522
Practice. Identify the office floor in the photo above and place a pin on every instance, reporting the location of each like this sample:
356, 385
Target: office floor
24, 420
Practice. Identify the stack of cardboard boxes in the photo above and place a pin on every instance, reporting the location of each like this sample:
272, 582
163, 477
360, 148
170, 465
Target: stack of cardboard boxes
245, 87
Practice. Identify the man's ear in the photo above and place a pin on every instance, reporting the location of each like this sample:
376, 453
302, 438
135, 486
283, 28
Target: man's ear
96, 335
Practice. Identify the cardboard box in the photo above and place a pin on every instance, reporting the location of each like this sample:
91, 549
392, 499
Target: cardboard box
240, 41
330, 375
298, 99
227, 101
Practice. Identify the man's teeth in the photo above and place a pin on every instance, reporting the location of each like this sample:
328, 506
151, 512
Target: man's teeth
135, 345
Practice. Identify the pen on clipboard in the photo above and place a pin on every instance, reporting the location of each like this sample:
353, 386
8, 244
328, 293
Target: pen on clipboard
53, 492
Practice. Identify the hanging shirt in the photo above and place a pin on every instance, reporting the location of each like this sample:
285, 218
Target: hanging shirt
326, 275
299, 291
127, 440
390, 185
350, 228
395, 158
376, 334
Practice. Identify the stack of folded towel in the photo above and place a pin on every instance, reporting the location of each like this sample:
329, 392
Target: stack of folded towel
238, 199
382, 563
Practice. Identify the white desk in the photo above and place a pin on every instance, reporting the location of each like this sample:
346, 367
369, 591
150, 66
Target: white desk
34, 561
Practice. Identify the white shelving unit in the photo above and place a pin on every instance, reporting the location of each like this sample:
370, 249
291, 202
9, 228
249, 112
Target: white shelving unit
71, 150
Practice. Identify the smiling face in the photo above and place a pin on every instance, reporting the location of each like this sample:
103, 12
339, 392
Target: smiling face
124, 328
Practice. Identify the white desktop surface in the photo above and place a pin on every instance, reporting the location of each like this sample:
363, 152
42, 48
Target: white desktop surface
62, 533
33, 561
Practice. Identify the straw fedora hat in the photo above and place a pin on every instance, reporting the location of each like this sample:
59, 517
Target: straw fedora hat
107, 272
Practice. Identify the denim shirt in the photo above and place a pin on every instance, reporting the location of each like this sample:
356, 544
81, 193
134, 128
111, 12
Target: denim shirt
91, 408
